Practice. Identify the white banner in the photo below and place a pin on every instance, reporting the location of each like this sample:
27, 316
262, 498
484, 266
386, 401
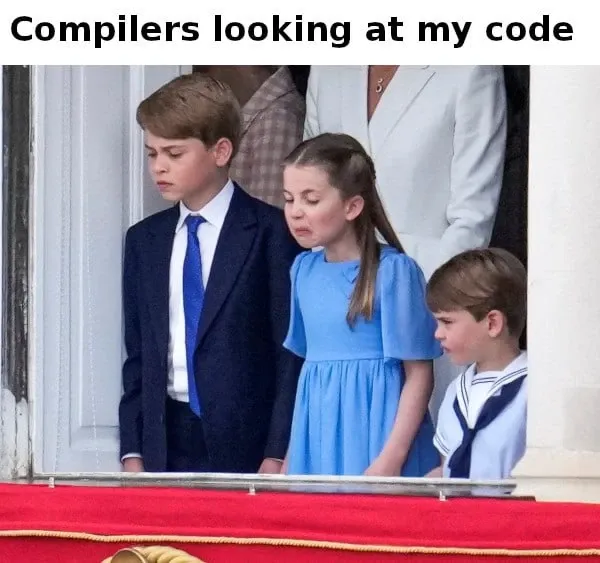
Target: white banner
311, 31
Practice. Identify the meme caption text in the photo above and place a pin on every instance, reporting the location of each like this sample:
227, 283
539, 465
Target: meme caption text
131, 28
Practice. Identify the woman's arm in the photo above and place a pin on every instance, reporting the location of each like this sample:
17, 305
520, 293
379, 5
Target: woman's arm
478, 162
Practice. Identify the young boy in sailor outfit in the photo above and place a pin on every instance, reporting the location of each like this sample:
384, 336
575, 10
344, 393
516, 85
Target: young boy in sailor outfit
479, 301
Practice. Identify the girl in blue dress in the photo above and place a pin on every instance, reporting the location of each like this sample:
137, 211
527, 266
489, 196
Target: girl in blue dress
360, 320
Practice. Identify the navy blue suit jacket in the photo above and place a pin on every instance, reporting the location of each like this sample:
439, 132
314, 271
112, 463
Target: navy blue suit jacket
246, 379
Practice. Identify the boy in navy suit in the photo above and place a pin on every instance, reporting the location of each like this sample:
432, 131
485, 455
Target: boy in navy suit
207, 383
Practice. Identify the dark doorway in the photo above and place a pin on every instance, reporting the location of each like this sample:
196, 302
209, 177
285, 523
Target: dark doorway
16, 126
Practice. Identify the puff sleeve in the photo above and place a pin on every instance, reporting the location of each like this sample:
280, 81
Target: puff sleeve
407, 325
295, 341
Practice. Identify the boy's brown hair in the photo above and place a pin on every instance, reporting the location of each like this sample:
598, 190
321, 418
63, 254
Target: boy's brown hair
480, 281
192, 106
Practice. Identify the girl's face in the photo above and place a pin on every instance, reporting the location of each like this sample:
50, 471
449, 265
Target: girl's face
315, 211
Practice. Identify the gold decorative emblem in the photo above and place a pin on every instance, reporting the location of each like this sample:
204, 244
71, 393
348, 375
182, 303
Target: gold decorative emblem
152, 554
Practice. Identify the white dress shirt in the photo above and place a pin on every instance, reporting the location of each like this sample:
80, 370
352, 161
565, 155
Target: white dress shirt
214, 213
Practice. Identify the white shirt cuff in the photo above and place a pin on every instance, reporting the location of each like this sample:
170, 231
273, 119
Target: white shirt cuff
133, 454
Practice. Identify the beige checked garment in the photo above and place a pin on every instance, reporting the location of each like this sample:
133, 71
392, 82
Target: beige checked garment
272, 125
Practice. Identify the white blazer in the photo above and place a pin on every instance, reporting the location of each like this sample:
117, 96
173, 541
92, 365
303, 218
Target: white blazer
437, 138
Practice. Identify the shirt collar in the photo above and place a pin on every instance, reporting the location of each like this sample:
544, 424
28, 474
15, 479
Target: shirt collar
494, 380
214, 211
516, 367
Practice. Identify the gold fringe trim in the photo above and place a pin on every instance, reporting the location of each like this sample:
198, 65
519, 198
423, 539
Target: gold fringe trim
315, 544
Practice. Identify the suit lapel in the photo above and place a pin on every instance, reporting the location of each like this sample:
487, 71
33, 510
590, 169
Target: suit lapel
156, 277
235, 241
353, 86
407, 84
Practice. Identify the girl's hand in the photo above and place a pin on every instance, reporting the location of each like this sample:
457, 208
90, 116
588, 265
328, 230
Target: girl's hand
384, 466
284, 466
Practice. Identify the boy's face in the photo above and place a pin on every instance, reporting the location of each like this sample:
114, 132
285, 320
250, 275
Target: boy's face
182, 168
463, 338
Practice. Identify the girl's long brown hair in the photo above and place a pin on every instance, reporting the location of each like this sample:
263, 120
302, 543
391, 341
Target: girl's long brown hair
351, 170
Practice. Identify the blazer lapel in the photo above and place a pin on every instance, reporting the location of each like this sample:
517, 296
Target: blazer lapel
235, 241
407, 84
156, 277
353, 85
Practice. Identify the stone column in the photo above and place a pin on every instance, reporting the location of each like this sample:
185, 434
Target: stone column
563, 443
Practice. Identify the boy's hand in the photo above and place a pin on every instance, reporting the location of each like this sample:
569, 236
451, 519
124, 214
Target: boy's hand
436, 473
133, 465
270, 466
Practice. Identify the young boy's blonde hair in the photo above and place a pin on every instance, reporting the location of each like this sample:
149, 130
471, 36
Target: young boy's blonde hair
480, 281
192, 106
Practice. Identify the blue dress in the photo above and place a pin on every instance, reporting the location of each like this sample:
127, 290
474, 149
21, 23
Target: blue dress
352, 377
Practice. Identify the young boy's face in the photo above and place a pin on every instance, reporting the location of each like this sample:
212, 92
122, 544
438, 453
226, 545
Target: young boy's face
182, 168
462, 337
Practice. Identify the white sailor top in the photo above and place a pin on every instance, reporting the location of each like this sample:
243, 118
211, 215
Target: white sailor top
482, 422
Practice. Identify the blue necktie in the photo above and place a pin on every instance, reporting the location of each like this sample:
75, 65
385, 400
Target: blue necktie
460, 462
193, 299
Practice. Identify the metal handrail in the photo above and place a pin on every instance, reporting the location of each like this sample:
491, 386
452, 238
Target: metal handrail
254, 483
